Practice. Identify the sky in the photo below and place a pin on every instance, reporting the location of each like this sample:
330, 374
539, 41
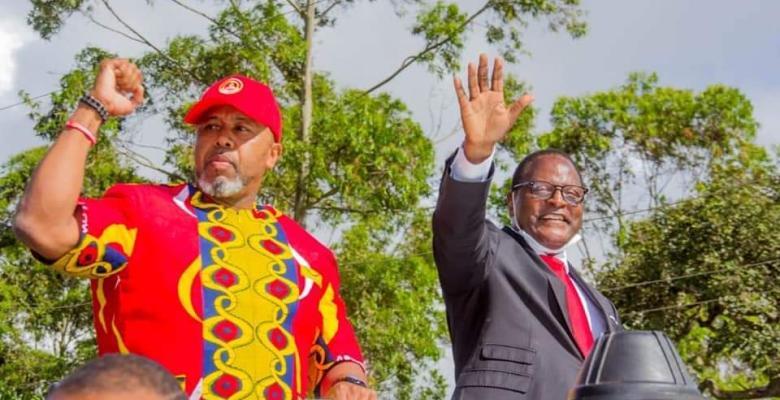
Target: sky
690, 44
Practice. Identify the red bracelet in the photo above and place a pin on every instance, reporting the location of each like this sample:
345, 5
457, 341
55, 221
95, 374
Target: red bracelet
81, 128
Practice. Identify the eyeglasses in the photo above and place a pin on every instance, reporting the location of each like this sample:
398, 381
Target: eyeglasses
571, 194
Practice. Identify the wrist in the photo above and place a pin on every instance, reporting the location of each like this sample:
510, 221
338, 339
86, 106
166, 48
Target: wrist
476, 153
96, 102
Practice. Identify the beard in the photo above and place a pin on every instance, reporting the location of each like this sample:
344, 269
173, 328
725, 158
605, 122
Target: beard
221, 187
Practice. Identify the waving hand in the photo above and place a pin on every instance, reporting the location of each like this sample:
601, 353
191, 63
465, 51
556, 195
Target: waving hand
486, 118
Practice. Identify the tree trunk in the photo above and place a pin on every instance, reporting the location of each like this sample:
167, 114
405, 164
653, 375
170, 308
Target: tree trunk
299, 208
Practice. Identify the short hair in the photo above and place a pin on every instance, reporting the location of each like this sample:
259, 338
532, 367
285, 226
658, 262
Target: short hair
118, 373
524, 167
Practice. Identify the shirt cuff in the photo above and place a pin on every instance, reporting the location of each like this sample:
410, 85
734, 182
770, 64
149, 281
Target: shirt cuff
463, 170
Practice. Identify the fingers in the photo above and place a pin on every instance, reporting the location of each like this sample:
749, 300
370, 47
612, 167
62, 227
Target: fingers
138, 95
463, 100
473, 86
483, 73
497, 81
518, 106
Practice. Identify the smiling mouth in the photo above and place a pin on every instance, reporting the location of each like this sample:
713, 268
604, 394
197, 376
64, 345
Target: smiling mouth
553, 218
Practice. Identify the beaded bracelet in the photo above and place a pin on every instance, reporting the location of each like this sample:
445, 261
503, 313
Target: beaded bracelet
90, 101
83, 129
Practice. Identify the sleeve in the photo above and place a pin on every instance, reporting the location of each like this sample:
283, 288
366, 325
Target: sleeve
336, 341
462, 170
463, 244
107, 236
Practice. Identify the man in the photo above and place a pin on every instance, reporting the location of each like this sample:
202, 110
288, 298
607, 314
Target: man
118, 377
521, 318
236, 300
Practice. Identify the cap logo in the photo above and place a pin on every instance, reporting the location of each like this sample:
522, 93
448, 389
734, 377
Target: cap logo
231, 86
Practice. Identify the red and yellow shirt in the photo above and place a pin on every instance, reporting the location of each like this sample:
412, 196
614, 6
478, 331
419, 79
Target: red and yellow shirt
237, 304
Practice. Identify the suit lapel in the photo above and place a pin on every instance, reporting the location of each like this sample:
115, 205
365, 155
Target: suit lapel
557, 311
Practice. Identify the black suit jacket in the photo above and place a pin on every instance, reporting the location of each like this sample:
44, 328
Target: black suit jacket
511, 337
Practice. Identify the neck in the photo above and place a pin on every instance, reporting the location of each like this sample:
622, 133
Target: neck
241, 201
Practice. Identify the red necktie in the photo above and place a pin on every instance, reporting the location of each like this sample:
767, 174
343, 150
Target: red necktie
579, 320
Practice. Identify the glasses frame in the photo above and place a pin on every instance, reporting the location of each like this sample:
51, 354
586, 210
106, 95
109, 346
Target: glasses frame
556, 188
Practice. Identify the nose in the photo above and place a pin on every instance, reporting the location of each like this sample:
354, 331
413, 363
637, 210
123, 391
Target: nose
557, 198
225, 139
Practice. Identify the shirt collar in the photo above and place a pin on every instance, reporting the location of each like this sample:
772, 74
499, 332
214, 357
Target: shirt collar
540, 249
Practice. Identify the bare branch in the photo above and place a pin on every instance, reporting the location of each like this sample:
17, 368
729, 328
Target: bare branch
108, 28
143, 161
429, 48
295, 7
198, 12
150, 44
328, 9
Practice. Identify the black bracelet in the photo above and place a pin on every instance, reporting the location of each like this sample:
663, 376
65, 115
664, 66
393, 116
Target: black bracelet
350, 379
95, 104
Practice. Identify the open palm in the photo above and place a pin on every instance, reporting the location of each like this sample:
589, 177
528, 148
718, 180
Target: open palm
486, 118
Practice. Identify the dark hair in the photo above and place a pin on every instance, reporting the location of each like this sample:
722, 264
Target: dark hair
119, 373
524, 168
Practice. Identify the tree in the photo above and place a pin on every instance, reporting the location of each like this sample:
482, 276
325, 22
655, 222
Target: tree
360, 164
705, 271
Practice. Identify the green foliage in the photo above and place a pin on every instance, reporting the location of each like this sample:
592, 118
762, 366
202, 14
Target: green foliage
444, 26
712, 263
641, 135
48, 16
46, 328
396, 281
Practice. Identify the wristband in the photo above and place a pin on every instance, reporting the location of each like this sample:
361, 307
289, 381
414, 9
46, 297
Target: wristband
81, 128
95, 104
350, 379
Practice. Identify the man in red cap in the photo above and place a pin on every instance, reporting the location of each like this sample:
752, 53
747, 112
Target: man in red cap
236, 300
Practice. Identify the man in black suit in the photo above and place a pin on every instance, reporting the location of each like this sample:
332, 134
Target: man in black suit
521, 318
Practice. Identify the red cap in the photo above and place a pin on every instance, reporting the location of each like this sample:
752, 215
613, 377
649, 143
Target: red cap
245, 94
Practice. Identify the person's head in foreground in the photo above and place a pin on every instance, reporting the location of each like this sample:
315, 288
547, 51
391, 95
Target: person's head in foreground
117, 377
238, 139
546, 199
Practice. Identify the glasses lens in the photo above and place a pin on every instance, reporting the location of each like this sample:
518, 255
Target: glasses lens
573, 194
542, 190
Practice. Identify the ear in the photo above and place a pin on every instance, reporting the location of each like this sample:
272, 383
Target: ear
274, 154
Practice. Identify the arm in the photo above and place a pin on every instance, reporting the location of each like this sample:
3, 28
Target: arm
461, 242
45, 219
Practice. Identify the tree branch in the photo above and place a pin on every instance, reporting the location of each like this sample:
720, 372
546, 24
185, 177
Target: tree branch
328, 9
150, 44
108, 28
296, 8
195, 11
408, 61
143, 161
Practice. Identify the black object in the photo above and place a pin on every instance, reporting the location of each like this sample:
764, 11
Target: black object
634, 365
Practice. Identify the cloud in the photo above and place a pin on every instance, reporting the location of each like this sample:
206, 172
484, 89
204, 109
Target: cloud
12, 38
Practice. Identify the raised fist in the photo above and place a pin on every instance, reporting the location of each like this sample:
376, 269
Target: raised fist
119, 86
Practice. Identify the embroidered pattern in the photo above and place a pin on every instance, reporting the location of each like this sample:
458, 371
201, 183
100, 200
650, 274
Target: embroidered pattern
250, 293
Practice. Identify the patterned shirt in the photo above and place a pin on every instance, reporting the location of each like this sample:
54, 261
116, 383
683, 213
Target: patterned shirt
237, 304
